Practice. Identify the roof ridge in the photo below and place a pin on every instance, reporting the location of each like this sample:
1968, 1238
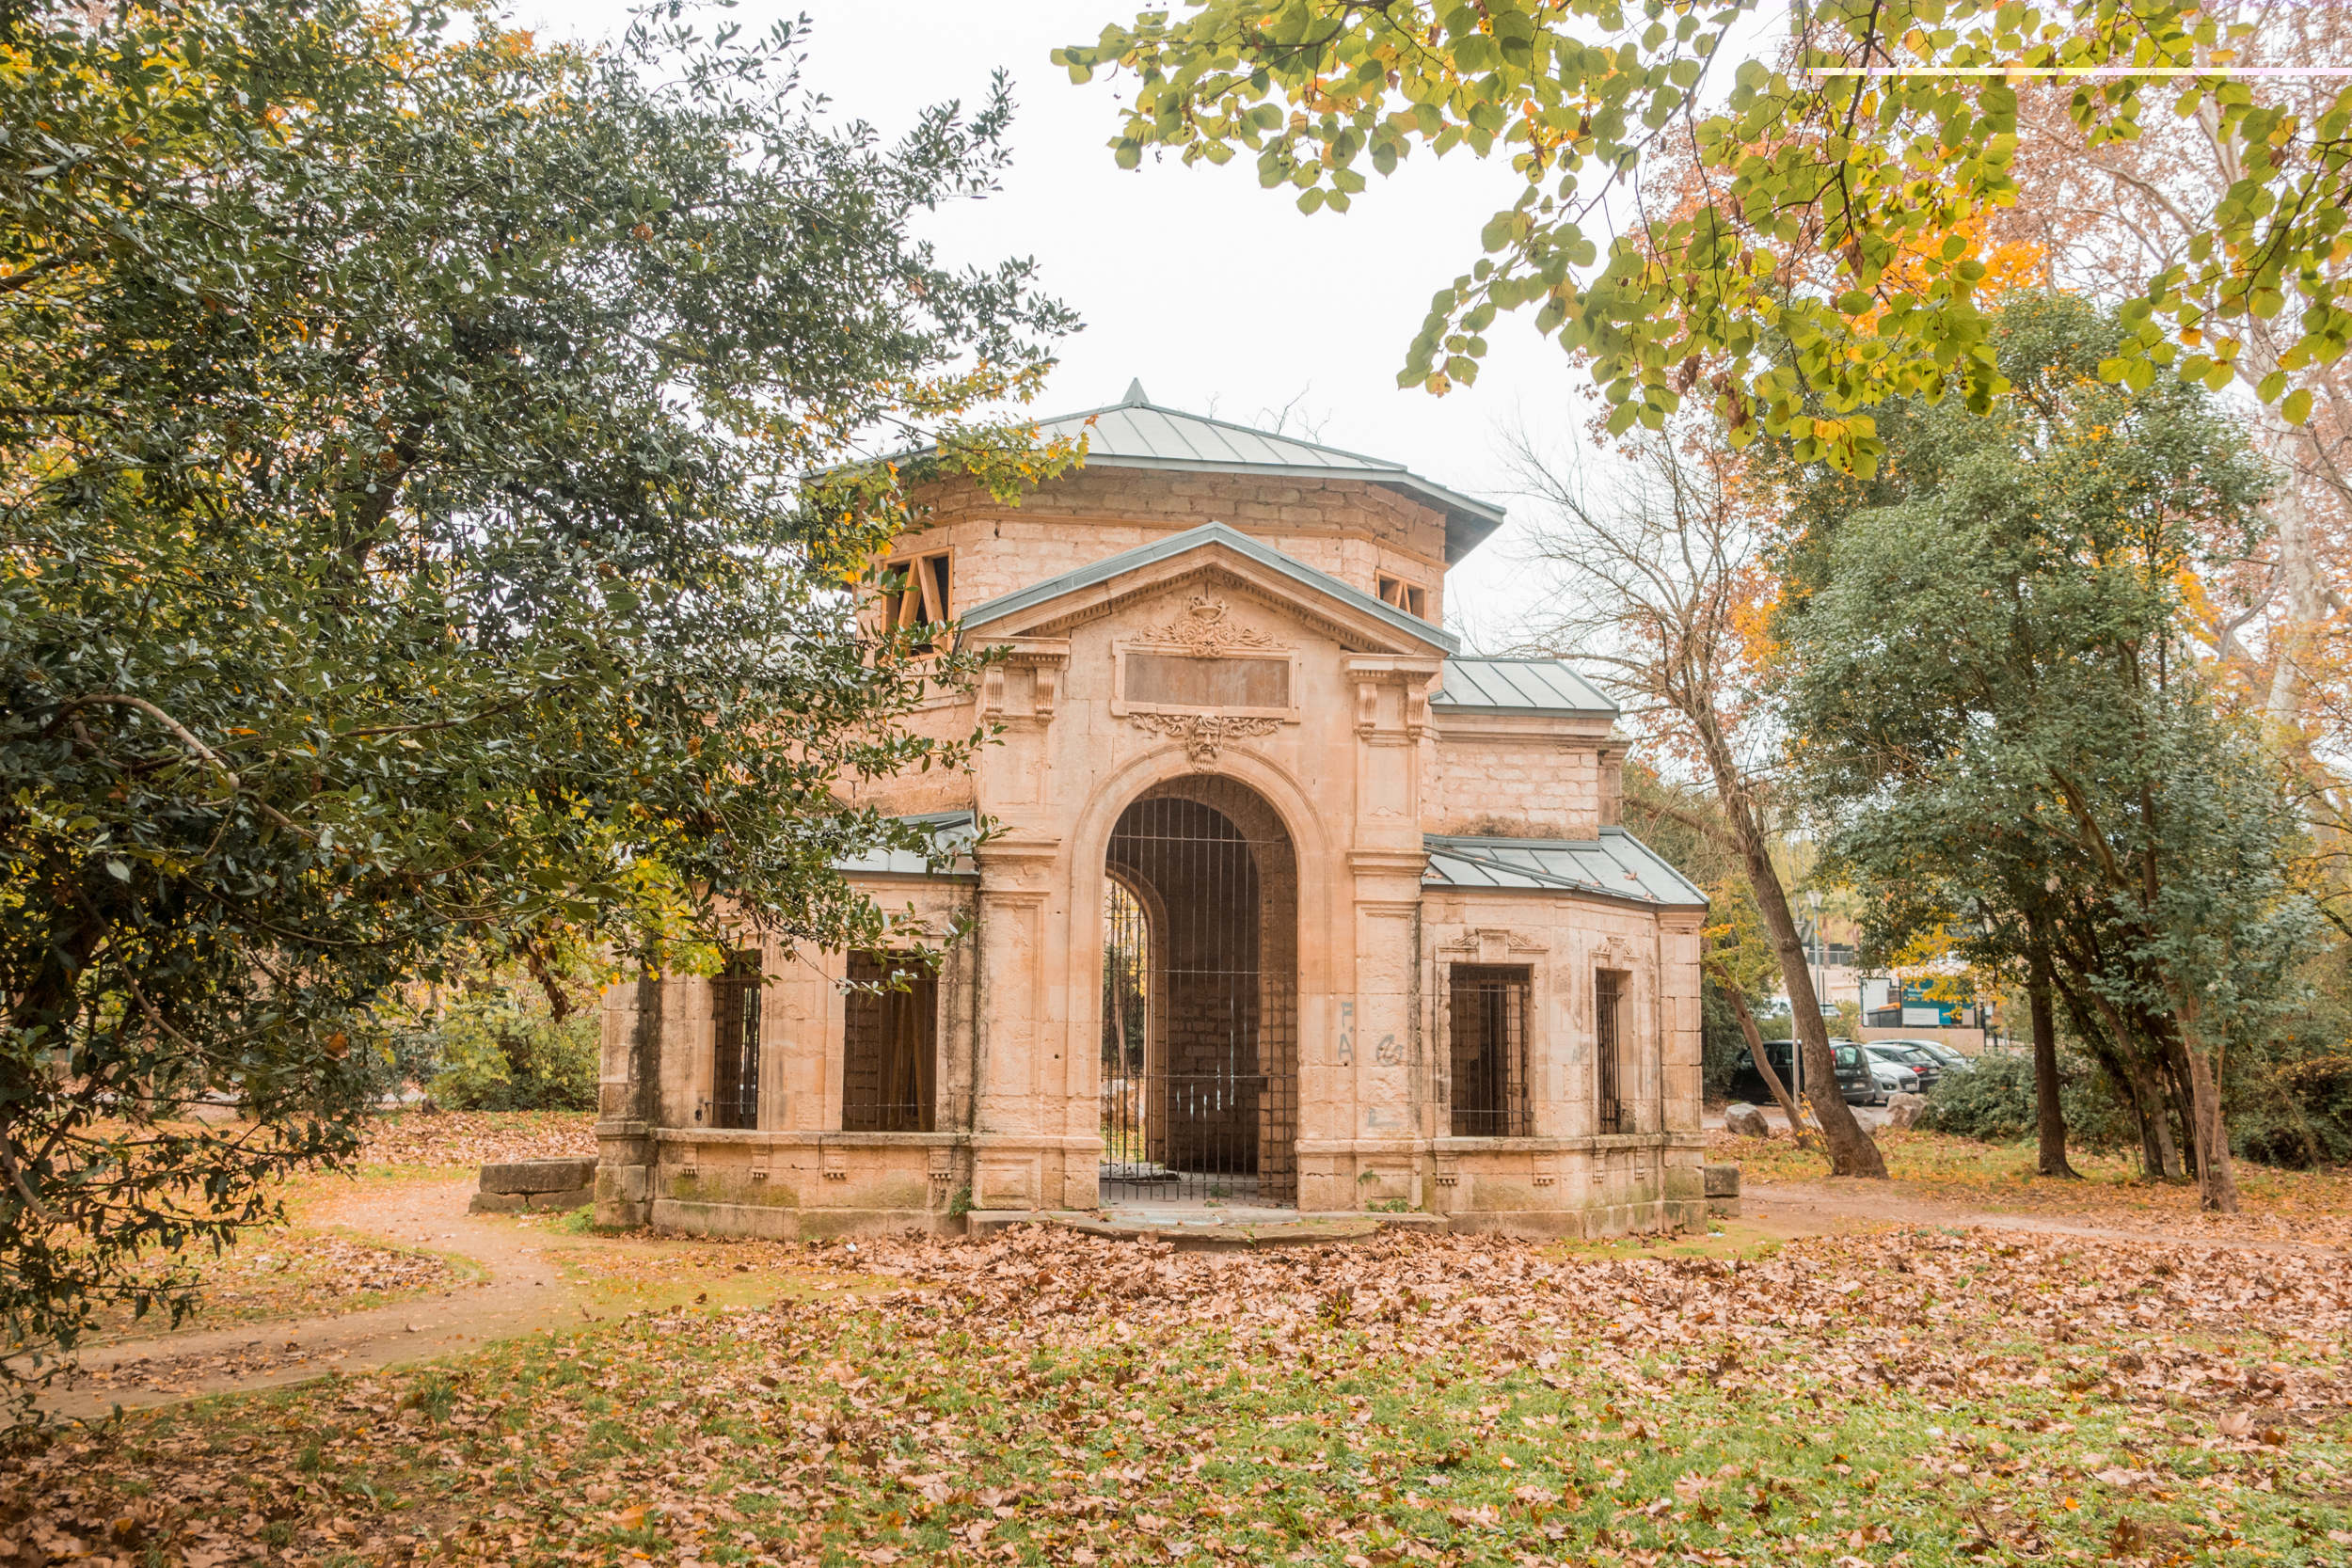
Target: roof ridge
1510, 658
1385, 463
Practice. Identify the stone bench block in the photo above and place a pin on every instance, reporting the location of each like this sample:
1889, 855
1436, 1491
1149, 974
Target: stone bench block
1722, 1191
540, 1176
535, 1203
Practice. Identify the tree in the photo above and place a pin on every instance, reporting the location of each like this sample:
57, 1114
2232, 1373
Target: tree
1735, 950
404, 547
1831, 245
1993, 696
1658, 590
2109, 218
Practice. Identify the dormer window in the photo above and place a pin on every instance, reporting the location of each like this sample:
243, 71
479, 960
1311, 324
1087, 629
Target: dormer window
915, 591
1406, 596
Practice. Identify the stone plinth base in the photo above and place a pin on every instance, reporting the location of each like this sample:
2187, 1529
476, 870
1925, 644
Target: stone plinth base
771, 1224
1600, 1221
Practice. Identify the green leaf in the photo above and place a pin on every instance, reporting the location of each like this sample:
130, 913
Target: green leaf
2298, 407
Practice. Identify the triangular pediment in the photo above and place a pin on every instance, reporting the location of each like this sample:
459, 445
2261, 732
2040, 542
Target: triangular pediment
1213, 559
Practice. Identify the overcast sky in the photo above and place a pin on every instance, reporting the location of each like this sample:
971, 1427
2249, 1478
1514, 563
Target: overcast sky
1219, 295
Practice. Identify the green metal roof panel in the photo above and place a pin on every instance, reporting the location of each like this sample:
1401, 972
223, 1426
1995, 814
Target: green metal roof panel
1616, 865
1007, 605
952, 831
1519, 685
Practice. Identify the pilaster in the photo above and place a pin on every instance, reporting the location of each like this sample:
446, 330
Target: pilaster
626, 1088
1017, 780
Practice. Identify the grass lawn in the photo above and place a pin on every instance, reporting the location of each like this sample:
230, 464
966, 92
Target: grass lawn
305, 1270
2002, 1176
281, 1271
1911, 1398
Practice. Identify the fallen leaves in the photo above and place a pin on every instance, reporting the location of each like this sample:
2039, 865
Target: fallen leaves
272, 1275
2312, 1208
469, 1139
1042, 1397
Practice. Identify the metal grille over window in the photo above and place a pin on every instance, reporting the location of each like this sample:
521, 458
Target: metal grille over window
1615, 1115
1489, 1059
1199, 1082
735, 1043
890, 1047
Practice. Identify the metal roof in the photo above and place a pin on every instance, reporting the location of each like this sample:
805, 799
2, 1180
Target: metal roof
1007, 605
1519, 685
1137, 433
952, 831
1616, 865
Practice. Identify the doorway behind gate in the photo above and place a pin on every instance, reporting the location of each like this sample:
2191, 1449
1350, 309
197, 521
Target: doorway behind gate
1199, 1101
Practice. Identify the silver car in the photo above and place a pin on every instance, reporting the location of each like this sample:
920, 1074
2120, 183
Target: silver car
1951, 1060
1892, 1078
1925, 1065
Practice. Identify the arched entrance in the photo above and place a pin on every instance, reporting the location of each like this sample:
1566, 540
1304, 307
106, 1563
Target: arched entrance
1199, 1062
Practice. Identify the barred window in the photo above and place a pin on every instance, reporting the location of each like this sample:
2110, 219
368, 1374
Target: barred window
735, 1043
890, 1047
1488, 1051
1615, 1115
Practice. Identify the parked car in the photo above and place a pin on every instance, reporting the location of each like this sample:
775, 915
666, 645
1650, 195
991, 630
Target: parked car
1890, 1078
1947, 1058
1903, 1054
1853, 1073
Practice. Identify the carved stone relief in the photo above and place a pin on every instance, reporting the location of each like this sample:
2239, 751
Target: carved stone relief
1203, 734
1205, 628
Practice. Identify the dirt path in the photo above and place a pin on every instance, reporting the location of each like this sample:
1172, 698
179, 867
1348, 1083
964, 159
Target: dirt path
1822, 1208
525, 1290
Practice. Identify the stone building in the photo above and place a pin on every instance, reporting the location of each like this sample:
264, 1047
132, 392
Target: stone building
1288, 905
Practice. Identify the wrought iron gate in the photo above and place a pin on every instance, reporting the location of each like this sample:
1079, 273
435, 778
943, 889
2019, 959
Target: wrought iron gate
1198, 1085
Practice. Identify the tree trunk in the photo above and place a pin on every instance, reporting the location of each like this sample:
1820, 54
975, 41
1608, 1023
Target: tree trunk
2153, 1102
2176, 1070
1851, 1151
2216, 1183
1764, 1066
2114, 1060
2160, 1116
2049, 1116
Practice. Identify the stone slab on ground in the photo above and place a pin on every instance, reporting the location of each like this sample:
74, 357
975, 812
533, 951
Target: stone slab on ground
537, 1203
540, 1176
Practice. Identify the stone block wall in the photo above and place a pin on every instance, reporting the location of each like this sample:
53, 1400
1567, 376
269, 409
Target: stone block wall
1353, 530
1515, 783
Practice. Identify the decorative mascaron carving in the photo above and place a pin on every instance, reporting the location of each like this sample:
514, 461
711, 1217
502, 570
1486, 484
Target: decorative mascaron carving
1205, 628
1203, 734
